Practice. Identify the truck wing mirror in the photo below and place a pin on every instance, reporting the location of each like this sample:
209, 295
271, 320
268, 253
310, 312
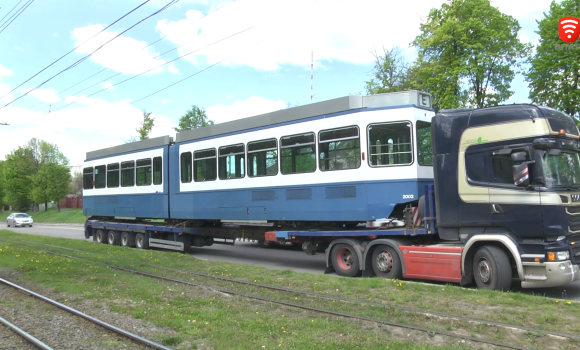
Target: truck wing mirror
521, 175
519, 157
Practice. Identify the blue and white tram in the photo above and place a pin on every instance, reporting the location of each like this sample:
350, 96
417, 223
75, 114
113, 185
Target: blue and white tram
348, 160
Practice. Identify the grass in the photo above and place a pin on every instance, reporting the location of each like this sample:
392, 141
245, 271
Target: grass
210, 319
52, 216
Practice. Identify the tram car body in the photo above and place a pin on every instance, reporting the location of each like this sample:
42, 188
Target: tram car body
349, 160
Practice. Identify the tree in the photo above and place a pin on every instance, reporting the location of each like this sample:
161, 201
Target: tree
194, 118
59, 178
554, 73
17, 170
146, 125
2, 185
467, 53
391, 73
76, 184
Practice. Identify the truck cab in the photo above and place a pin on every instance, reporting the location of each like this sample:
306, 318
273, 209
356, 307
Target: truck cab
509, 176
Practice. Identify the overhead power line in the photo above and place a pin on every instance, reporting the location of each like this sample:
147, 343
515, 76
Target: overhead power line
124, 58
16, 15
84, 42
10, 12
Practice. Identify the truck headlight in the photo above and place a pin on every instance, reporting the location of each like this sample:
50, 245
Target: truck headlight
558, 256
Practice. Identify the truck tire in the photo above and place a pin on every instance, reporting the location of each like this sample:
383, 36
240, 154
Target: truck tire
141, 242
344, 260
112, 238
127, 240
386, 262
100, 237
491, 269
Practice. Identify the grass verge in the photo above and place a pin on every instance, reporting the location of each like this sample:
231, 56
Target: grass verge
206, 318
68, 216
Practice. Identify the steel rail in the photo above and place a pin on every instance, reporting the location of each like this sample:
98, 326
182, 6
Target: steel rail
34, 341
103, 324
335, 297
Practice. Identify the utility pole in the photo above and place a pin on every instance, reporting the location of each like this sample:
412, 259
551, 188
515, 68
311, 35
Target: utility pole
311, 76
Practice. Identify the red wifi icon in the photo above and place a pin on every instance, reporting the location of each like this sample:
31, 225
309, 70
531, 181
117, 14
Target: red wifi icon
569, 29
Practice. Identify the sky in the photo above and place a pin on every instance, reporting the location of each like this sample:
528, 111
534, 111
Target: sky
235, 59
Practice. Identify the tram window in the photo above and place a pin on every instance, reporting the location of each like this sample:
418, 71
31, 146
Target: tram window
339, 149
204, 165
88, 178
113, 175
157, 171
263, 158
231, 162
390, 144
143, 172
424, 150
186, 167
128, 173
100, 176
298, 154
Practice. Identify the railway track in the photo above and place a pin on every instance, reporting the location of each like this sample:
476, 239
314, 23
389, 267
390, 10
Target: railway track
67, 316
430, 331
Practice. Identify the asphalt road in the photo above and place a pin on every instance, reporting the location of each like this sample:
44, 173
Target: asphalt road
283, 258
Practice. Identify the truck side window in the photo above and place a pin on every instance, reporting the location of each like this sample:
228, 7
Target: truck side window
88, 178
390, 144
476, 166
501, 166
339, 148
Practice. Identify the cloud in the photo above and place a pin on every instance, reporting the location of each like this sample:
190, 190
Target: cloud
335, 30
45, 95
164, 101
96, 125
4, 90
19, 48
5, 72
124, 54
242, 109
108, 85
172, 69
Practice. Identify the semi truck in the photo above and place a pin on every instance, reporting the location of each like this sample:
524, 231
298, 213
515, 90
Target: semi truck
381, 184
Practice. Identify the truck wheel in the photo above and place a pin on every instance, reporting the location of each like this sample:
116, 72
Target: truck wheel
141, 242
386, 262
491, 269
100, 237
127, 240
112, 238
345, 260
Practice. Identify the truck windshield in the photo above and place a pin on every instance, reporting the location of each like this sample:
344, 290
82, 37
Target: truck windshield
561, 168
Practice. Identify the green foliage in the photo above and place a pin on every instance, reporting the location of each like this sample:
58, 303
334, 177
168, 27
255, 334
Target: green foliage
194, 118
391, 73
51, 183
554, 74
26, 176
146, 125
467, 53
2, 184
18, 169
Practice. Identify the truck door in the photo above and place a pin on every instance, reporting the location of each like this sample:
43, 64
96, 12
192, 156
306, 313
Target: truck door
515, 207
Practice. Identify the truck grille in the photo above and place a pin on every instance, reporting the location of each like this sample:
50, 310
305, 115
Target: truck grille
575, 255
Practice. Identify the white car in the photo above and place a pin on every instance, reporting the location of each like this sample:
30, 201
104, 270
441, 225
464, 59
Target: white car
19, 219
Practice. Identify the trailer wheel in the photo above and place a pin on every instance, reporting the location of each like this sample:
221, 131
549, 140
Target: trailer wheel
112, 238
345, 260
491, 269
386, 262
100, 237
127, 240
141, 242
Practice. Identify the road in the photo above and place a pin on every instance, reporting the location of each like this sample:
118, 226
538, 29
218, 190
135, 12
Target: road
283, 258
